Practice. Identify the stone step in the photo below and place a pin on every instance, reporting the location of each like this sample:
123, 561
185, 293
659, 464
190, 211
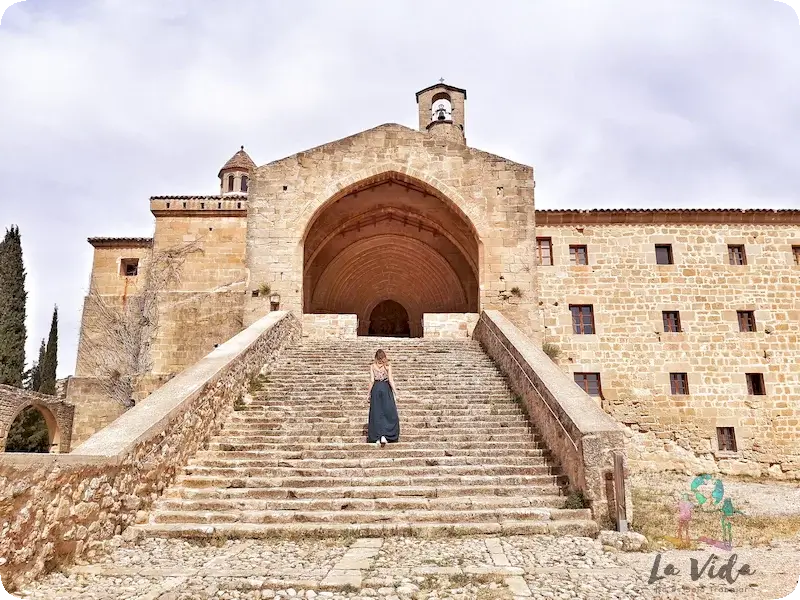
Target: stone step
360, 504
574, 527
220, 444
379, 471
368, 452
406, 438
346, 429
437, 480
224, 460
371, 516
364, 492
251, 413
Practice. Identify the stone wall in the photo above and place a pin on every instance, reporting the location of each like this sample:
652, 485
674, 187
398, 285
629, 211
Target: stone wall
449, 325
93, 409
492, 195
581, 437
634, 355
57, 414
55, 508
330, 326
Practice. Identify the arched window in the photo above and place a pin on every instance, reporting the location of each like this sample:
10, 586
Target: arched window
244, 183
230, 183
441, 107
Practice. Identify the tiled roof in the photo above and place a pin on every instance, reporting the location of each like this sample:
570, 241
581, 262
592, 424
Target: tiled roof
240, 161
667, 215
120, 242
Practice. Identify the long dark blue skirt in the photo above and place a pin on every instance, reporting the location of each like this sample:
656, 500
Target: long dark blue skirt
383, 419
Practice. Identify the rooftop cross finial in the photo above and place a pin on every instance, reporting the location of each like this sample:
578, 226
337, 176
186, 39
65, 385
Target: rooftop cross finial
242, 147
441, 80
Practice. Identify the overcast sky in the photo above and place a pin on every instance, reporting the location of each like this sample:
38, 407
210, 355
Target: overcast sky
103, 103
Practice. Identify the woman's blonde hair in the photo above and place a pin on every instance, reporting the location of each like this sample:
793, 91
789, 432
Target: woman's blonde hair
381, 358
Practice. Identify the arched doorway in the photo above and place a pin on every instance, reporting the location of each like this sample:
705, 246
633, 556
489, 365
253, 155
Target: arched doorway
390, 237
389, 319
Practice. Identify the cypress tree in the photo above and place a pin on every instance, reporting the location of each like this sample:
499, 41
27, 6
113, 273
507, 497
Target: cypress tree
35, 377
12, 309
48, 365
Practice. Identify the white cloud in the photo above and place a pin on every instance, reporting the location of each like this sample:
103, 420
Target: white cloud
620, 103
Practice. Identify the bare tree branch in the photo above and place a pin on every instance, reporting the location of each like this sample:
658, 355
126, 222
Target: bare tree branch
119, 332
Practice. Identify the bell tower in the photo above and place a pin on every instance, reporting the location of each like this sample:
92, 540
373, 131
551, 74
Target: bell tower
441, 111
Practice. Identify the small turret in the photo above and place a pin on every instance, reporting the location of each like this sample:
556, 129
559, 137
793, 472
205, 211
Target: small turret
234, 176
441, 111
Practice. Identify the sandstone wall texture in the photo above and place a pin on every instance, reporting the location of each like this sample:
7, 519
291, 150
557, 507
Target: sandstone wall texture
93, 409
330, 326
635, 356
57, 413
582, 438
452, 325
55, 508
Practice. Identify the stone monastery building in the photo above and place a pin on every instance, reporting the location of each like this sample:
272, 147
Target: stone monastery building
683, 325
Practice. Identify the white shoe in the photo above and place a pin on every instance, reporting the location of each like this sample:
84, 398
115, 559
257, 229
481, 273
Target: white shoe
378, 444
383, 441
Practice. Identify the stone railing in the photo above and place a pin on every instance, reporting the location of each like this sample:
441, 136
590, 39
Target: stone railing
56, 412
449, 325
582, 437
330, 326
56, 507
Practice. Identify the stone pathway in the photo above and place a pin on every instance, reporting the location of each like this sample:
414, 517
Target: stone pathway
508, 568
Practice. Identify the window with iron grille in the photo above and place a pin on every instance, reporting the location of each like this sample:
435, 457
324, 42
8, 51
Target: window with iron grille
672, 321
736, 255
582, 318
578, 255
755, 384
726, 439
664, 254
679, 384
747, 320
589, 383
544, 250
796, 254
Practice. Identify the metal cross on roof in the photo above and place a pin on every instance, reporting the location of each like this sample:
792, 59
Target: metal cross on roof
441, 80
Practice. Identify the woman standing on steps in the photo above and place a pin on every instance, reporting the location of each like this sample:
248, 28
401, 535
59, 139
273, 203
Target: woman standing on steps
384, 424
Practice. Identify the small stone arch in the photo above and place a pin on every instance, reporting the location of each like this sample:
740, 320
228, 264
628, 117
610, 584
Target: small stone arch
56, 412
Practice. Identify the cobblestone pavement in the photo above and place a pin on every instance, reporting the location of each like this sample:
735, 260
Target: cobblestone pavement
478, 568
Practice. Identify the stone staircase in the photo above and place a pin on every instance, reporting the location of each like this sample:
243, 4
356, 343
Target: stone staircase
293, 460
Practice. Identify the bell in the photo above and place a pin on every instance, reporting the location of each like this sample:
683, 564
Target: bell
441, 113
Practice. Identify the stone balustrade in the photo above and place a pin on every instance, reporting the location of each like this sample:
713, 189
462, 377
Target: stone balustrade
54, 508
581, 437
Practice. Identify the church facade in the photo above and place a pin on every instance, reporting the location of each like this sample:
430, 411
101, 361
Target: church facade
682, 324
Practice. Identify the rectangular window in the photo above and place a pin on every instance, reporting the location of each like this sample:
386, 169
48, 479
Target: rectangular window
589, 383
796, 254
129, 267
578, 255
582, 318
664, 254
755, 384
726, 439
544, 250
747, 320
736, 255
672, 321
679, 384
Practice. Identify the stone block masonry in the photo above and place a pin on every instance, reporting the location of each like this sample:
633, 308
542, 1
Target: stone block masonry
449, 325
57, 414
54, 508
330, 326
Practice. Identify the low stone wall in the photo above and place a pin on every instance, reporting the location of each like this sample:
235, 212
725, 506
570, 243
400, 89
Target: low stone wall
330, 326
57, 507
57, 413
579, 434
449, 325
